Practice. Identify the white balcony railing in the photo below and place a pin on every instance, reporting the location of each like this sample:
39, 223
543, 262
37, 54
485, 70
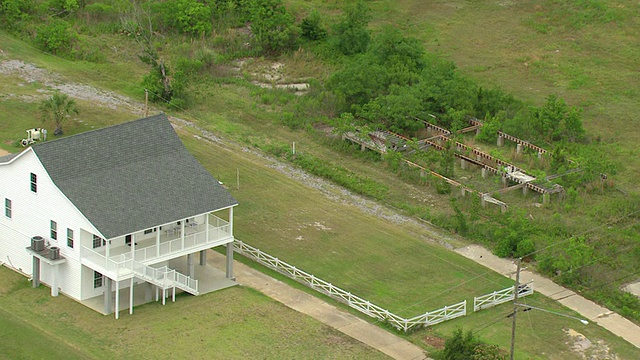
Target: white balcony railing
218, 229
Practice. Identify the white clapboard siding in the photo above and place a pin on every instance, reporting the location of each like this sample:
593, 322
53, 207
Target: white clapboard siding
31, 216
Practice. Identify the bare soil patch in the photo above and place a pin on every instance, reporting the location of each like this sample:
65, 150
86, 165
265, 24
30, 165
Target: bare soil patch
588, 349
633, 288
434, 341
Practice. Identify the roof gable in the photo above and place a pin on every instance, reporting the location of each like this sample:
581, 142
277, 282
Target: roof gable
132, 176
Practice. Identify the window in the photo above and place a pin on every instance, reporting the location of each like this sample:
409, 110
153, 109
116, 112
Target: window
69, 238
149, 231
97, 280
54, 230
127, 240
34, 183
7, 208
98, 241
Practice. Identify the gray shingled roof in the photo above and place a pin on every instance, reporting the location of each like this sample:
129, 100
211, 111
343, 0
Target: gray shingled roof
132, 176
7, 158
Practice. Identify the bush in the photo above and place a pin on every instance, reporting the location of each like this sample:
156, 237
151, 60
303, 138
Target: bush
274, 28
14, 13
312, 27
351, 34
56, 37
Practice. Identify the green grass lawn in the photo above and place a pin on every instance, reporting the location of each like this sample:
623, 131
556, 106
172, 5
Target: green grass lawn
235, 323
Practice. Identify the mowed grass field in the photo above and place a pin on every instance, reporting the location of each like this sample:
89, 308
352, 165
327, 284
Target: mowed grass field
235, 323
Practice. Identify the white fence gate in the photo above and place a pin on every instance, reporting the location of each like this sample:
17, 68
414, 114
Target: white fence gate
501, 296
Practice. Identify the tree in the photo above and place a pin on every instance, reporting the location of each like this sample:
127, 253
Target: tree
556, 120
273, 26
56, 109
352, 35
312, 26
463, 346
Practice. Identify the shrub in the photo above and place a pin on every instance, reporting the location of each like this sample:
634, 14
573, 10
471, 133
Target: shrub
274, 27
14, 13
351, 34
312, 27
56, 37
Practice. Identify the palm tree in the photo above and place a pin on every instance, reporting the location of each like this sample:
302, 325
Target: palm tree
56, 109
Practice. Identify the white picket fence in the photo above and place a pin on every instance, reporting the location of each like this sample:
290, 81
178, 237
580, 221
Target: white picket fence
353, 301
501, 296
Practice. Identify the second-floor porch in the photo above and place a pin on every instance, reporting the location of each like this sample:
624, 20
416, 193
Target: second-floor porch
115, 257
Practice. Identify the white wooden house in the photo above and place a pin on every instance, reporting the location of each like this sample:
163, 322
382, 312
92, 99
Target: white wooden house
115, 205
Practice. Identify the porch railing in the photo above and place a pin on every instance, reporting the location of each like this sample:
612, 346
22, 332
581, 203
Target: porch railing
175, 245
165, 277
117, 264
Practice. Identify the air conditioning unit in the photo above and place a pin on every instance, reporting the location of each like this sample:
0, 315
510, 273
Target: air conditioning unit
54, 253
37, 243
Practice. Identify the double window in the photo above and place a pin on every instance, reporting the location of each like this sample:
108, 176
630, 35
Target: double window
7, 208
34, 183
69, 238
97, 279
98, 241
54, 230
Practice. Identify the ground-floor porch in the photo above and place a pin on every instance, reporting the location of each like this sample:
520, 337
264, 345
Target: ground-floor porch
210, 278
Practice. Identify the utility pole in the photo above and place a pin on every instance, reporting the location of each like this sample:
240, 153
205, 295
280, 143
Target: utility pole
516, 290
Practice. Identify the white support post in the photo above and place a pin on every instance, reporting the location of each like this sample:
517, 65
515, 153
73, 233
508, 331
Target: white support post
156, 293
117, 299
173, 298
164, 296
158, 241
231, 221
131, 297
182, 232
206, 227
133, 246
54, 280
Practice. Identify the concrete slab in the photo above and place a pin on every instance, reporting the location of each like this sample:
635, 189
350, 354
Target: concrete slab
210, 279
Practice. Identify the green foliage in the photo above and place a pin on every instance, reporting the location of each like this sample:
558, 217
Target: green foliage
462, 225
568, 261
557, 121
360, 81
56, 109
56, 37
461, 346
312, 27
189, 17
351, 35
273, 26
491, 126
516, 228
63, 7
341, 176
15, 13
402, 57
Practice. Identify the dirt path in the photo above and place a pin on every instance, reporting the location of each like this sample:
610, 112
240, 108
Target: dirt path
588, 309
